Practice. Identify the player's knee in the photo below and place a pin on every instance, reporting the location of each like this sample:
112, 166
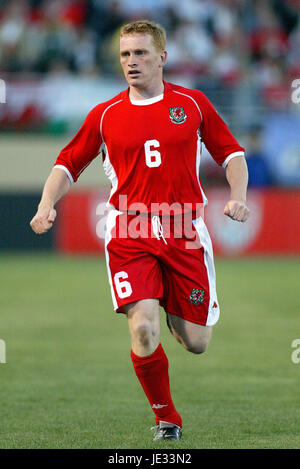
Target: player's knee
143, 333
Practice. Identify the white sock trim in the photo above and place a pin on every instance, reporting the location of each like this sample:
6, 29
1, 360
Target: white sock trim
164, 424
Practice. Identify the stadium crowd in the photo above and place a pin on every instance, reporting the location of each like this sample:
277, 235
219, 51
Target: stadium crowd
247, 48
229, 40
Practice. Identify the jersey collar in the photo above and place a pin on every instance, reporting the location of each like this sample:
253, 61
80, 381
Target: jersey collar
146, 102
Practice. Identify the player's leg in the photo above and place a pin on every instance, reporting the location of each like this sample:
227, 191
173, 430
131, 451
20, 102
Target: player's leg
144, 326
136, 284
190, 298
151, 364
193, 337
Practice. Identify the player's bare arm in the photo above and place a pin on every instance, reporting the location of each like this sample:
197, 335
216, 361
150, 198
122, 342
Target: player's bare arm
237, 177
56, 186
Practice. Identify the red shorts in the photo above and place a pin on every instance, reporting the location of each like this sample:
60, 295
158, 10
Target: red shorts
153, 257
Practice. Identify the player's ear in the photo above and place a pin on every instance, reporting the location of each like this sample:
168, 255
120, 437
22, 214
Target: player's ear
163, 57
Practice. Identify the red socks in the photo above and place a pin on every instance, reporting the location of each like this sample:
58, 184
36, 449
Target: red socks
152, 372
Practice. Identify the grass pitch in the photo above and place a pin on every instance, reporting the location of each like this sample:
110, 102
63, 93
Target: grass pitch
68, 381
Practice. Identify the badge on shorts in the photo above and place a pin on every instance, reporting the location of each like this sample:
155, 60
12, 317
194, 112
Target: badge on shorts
197, 296
177, 115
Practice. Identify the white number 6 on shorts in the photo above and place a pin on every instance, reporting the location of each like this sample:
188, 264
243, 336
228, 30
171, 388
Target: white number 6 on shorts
123, 287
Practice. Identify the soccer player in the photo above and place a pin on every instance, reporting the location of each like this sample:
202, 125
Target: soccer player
149, 137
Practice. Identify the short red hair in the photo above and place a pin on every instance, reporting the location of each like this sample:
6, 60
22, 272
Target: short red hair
155, 30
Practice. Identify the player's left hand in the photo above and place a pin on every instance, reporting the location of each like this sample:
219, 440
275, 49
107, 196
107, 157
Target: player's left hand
237, 210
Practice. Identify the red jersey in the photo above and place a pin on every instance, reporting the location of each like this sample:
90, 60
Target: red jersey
151, 149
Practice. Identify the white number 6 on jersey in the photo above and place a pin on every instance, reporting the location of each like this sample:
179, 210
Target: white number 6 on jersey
123, 288
153, 157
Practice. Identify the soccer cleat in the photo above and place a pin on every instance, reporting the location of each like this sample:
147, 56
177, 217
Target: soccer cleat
167, 433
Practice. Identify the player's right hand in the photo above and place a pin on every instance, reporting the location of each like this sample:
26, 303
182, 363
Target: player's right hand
43, 220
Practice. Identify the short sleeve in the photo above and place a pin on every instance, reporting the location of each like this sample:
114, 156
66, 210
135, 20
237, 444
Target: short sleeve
216, 135
83, 148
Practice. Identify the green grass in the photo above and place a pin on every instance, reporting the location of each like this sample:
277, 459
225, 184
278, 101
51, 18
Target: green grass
69, 382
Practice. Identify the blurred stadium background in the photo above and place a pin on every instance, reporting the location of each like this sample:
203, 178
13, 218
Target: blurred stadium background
58, 59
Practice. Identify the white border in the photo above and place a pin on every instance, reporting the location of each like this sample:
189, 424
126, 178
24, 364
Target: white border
60, 166
213, 312
232, 155
103, 114
110, 224
188, 96
198, 163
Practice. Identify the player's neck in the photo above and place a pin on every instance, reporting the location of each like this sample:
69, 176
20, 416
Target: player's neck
147, 92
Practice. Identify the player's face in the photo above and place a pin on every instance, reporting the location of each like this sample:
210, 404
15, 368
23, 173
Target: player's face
142, 63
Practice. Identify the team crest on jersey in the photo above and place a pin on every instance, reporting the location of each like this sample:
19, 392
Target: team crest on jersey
197, 296
177, 115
